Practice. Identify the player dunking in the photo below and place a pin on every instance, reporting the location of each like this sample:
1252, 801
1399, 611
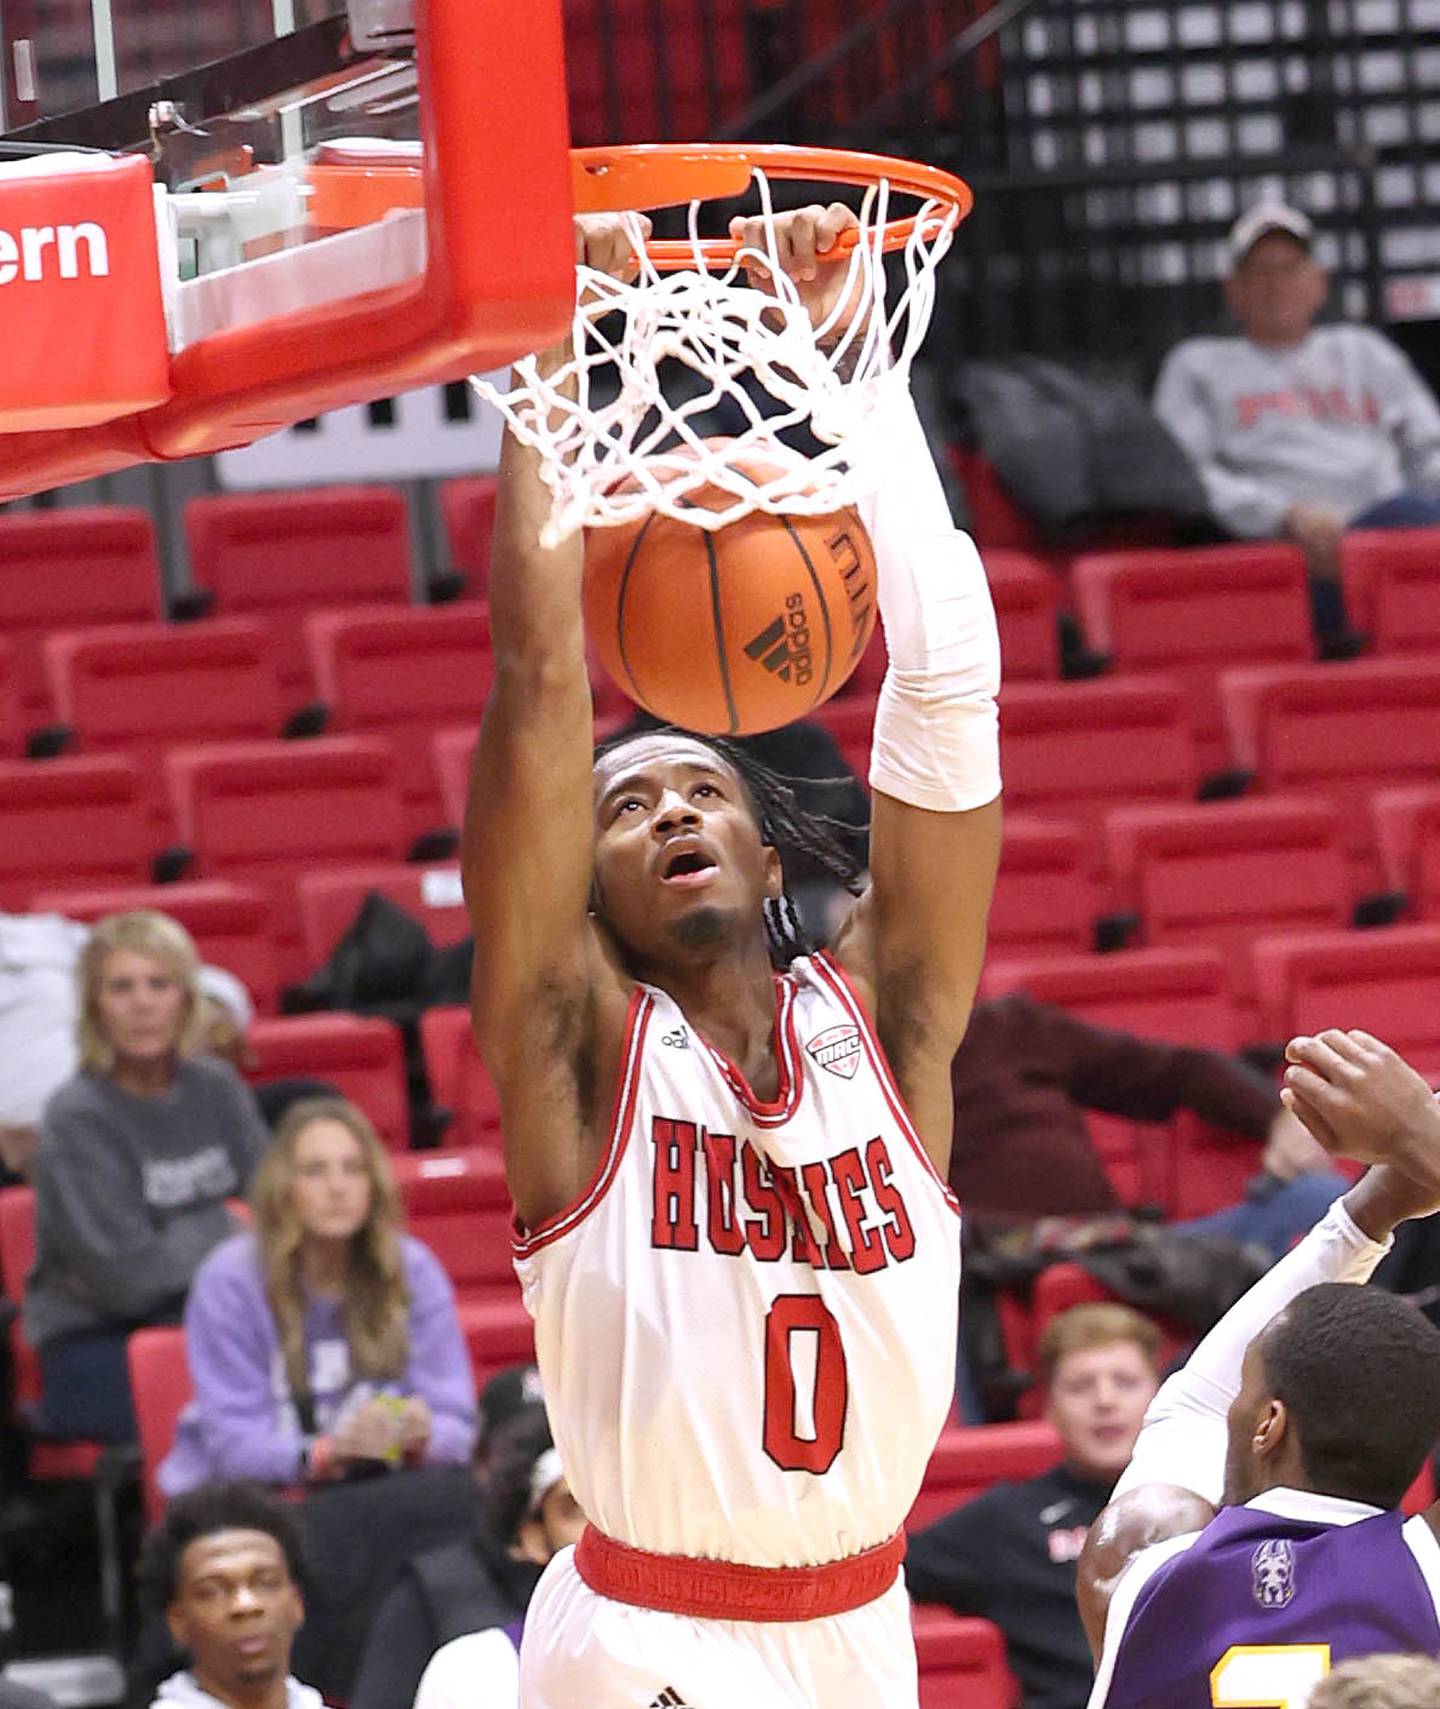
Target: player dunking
736, 1239
1306, 1413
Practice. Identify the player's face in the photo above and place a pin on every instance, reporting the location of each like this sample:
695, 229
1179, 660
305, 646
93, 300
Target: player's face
236, 1609
1242, 1462
1277, 290
1097, 1402
679, 865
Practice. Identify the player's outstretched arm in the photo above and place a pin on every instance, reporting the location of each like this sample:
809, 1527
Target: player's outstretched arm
1359, 1099
526, 845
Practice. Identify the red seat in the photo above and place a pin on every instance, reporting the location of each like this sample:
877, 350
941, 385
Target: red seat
161, 1387
498, 1332
362, 1057
1392, 587
229, 923
1387, 982
1182, 996
1191, 613
458, 1079
277, 555
142, 688
1407, 830
1027, 601
71, 569
1337, 730
261, 812
12, 745
330, 902
402, 675
1043, 902
467, 508
996, 520
458, 1204
1228, 872
962, 1661
634, 74
1061, 1287
850, 719
969, 1459
1075, 750
76, 822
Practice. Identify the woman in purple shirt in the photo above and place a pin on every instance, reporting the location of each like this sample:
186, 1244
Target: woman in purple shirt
325, 1341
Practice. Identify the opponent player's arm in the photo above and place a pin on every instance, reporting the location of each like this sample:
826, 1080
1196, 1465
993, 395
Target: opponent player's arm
526, 845
1355, 1095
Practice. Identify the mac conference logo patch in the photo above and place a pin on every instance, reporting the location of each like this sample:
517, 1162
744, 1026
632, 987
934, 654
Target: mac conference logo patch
838, 1049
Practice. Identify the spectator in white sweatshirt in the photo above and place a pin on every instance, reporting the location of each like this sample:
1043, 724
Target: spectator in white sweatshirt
1299, 431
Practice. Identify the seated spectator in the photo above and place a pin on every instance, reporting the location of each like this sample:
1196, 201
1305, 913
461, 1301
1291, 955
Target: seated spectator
1027, 1072
138, 1154
448, 1633
1301, 431
1380, 1682
325, 1341
1010, 1554
224, 1568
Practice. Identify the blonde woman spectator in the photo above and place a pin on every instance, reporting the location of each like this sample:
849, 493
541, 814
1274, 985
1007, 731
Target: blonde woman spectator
1381, 1682
138, 1153
324, 1341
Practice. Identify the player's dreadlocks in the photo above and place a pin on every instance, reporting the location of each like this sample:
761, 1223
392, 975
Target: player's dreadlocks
785, 825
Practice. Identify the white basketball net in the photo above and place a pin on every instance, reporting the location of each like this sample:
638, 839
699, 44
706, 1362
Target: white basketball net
612, 458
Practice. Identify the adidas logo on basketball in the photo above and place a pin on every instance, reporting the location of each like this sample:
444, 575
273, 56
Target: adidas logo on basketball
783, 646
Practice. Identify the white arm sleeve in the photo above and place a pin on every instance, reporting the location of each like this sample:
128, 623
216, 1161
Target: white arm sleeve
936, 740
1183, 1438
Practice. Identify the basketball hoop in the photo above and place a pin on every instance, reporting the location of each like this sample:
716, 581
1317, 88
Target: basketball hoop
612, 453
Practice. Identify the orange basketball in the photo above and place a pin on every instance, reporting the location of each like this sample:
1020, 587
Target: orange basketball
737, 630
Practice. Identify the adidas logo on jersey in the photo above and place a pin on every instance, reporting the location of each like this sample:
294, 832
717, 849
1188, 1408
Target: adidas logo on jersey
669, 1698
783, 646
678, 1040
838, 1049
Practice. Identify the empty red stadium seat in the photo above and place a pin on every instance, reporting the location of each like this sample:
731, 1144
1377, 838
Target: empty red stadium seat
1061, 1287
1228, 872
360, 1056
1342, 730
850, 719
229, 923
1392, 587
634, 74
79, 822
1027, 600
458, 1204
402, 675
969, 1459
1075, 750
498, 1332
996, 520
330, 902
72, 569
458, 1079
262, 812
467, 508
277, 555
1387, 982
1192, 613
11, 725
142, 688
1180, 995
1043, 902
451, 753
161, 1387
1407, 831
962, 1662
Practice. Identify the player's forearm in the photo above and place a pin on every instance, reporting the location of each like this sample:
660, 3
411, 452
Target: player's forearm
936, 741
534, 592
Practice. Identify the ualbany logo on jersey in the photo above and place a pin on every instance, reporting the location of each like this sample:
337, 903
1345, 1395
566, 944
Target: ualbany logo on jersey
838, 1049
1273, 1567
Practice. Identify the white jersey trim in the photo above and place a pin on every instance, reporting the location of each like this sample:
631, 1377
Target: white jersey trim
1136, 1576
1421, 1541
838, 981
526, 1242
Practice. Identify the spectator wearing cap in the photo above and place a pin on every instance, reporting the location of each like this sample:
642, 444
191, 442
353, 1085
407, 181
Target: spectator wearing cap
138, 1154
1299, 431
448, 1634
1010, 1555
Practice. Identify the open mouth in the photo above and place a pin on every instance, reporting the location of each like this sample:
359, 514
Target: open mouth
688, 867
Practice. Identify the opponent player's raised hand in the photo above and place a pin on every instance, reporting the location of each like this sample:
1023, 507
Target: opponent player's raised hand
806, 243
1362, 1100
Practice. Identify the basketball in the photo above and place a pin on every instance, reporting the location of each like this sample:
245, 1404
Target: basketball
736, 630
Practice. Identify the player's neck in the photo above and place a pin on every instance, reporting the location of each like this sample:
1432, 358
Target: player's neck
730, 1000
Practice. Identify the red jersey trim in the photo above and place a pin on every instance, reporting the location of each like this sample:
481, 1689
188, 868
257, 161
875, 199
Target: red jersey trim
838, 980
730, 1590
787, 1059
526, 1242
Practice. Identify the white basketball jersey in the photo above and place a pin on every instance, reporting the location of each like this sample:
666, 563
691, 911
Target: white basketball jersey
746, 1324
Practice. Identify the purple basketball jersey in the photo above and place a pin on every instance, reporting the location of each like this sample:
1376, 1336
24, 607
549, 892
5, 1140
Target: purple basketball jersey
1252, 1578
